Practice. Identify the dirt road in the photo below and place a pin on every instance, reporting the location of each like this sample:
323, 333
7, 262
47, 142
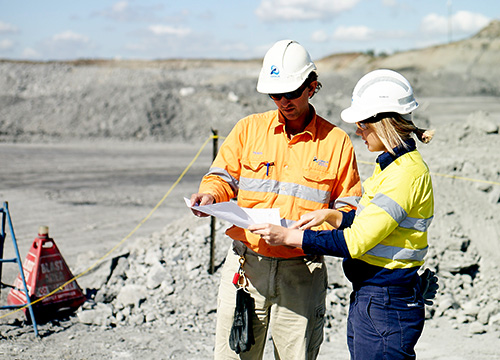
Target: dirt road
92, 195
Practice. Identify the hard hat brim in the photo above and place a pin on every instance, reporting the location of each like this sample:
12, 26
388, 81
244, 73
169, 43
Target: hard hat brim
278, 87
352, 115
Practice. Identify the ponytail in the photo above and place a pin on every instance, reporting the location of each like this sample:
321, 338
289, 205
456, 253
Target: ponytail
424, 135
394, 129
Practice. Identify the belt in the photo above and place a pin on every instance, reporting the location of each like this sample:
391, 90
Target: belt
393, 290
241, 249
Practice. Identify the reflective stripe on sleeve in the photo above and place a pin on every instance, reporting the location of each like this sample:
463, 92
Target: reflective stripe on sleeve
224, 175
346, 201
416, 224
400, 215
285, 188
390, 206
397, 253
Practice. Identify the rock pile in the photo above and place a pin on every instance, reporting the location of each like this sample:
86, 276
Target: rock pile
161, 100
160, 280
163, 279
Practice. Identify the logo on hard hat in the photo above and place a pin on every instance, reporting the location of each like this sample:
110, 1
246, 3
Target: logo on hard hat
275, 71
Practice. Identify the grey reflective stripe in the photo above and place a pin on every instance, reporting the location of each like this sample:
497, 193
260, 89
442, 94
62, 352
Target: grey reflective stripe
382, 79
224, 175
359, 209
350, 200
416, 224
390, 206
287, 223
397, 253
400, 215
406, 100
285, 188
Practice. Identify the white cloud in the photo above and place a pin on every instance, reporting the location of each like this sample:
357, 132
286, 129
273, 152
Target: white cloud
67, 45
434, 24
123, 11
135, 47
462, 23
289, 10
468, 22
353, 33
6, 45
119, 7
7, 28
29, 53
319, 36
345, 33
70, 37
390, 3
169, 30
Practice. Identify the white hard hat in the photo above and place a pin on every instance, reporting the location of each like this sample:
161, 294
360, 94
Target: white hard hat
286, 66
377, 92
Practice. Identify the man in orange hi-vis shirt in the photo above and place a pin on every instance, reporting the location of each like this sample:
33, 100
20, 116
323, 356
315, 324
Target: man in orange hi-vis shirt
292, 159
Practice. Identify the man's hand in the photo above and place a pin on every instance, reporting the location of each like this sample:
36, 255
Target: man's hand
277, 235
200, 199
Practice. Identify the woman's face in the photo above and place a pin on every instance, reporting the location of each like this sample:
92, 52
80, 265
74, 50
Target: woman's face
372, 141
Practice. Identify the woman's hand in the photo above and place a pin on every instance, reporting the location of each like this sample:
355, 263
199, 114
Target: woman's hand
318, 217
277, 235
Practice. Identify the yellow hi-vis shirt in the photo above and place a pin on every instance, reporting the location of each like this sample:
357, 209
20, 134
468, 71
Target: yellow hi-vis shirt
259, 165
397, 207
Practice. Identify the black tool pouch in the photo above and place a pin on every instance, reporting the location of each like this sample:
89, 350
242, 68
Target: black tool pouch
241, 337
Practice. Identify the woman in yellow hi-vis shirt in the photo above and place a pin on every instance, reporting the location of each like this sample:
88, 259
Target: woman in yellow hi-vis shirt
384, 241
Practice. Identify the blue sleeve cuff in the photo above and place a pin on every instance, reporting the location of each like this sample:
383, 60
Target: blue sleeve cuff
347, 219
326, 242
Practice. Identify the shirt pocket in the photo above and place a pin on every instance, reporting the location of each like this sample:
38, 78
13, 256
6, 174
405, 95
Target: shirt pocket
316, 176
257, 189
319, 185
257, 169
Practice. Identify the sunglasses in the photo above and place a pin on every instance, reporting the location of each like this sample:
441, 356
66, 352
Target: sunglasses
363, 125
289, 95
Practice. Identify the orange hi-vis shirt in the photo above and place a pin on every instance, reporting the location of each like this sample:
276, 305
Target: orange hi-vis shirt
263, 168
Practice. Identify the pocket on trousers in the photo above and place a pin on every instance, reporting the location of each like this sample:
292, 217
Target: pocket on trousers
316, 337
411, 315
376, 312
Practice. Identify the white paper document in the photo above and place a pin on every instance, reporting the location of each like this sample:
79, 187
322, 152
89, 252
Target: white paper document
241, 217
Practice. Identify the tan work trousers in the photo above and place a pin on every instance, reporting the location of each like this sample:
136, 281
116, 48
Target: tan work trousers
289, 299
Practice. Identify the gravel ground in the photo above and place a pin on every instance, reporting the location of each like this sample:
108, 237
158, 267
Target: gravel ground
89, 149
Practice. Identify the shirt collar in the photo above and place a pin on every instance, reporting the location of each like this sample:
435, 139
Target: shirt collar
386, 158
310, 128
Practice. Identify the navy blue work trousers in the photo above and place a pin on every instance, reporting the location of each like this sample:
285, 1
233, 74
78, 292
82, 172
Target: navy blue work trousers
384, 323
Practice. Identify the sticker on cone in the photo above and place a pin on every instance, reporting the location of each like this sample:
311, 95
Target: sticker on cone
45, 270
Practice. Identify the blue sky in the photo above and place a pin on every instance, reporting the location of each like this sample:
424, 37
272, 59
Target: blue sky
230, 29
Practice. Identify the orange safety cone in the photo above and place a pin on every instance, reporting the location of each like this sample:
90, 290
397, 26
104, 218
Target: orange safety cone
45, 270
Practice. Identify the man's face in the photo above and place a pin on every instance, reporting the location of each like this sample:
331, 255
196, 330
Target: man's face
295, 109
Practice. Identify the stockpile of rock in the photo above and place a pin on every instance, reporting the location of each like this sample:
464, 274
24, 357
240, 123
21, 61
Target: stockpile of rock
162, 281
157, 281
161, 100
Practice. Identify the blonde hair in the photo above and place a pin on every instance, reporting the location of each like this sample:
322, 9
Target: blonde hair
394, 129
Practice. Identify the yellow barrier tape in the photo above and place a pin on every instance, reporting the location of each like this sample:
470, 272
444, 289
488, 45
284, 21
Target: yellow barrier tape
446, 175
165, 197
124, 239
